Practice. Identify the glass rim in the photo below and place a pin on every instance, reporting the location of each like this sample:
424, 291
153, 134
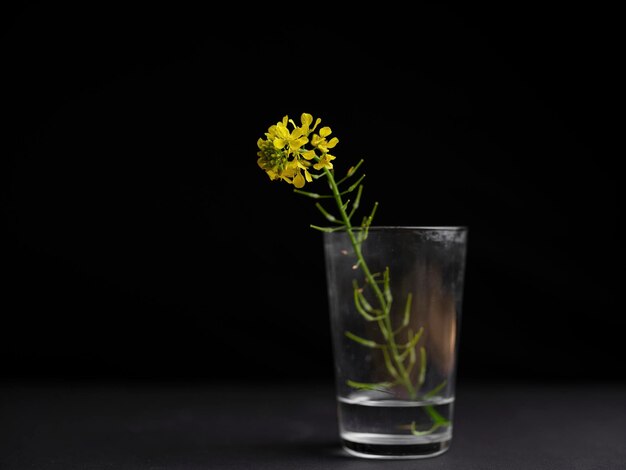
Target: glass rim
432, 228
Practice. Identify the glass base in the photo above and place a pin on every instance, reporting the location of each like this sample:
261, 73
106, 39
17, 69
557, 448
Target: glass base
397, 451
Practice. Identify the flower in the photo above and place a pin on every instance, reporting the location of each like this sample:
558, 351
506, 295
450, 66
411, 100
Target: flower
284, 154
301, 155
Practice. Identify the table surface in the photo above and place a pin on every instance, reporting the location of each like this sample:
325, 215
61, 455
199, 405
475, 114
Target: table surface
184, 426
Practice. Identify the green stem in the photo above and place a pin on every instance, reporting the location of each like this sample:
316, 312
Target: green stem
384, 323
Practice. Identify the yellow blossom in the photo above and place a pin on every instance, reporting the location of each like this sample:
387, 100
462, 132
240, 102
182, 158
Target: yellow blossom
284, 153
325, 162
320, 142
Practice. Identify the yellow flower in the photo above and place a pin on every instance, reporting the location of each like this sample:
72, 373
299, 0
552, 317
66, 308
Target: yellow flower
320, 142
306, 120
325, 162
292, 140
284, 155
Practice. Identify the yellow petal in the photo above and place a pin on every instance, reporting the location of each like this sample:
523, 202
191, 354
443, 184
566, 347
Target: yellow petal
309, 154
334, 141
308, 176
325, 131
297, 133
282, 131
298, 181
296, 144
279, 143
306, 119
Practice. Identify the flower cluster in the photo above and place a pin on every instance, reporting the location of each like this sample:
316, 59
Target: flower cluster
285, 155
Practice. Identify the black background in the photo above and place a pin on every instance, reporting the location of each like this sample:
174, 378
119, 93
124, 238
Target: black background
143, 242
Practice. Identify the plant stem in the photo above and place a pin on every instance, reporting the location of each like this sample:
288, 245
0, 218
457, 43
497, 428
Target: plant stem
384, 323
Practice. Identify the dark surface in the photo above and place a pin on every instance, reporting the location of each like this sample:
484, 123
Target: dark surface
220, 426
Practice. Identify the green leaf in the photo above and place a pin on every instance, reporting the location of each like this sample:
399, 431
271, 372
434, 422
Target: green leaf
379, 387
422, 376
412, 359
308, 194
368, 221
356, 203
431, 430
392, 370
325, 213
387, 289
438, 422
435, 390
362, 305
436, 417
363, 341
326, 229
407, 309
351, 172
413, 339
409, 347
353, 186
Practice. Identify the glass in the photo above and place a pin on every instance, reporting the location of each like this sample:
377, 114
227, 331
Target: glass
395, 296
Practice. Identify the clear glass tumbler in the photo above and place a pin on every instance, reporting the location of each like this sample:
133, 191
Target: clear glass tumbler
395, 296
